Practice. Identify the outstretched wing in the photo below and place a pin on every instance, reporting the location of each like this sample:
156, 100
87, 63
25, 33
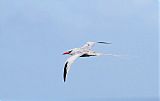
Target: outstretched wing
68, 64
89, 45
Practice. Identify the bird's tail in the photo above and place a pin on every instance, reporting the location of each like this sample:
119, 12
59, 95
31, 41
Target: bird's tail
101, 54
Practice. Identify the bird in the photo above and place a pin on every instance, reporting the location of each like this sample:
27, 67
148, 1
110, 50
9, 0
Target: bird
84, 51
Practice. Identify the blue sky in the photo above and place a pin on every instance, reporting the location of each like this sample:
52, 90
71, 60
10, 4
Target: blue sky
34, 34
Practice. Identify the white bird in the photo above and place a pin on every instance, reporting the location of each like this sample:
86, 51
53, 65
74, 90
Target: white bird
84, 51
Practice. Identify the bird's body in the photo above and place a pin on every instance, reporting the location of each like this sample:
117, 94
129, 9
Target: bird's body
84, 51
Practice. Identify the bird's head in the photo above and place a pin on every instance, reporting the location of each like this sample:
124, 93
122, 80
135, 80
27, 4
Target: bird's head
67, 52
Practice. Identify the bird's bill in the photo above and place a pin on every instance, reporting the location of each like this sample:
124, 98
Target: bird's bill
66, 53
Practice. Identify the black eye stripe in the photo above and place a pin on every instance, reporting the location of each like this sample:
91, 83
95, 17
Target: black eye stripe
70, 51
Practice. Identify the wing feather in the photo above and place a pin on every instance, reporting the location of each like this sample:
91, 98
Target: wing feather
68, 64
88, 45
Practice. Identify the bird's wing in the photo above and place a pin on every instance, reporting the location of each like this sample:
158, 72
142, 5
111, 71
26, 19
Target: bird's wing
89, 45
68, 64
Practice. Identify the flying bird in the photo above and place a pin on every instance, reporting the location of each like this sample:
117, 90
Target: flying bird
84, 51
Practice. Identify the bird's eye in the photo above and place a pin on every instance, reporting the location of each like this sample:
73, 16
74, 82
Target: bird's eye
70, 51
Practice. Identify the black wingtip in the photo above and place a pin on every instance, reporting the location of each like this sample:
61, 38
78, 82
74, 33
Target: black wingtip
65, 72
64, 77
104, 42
